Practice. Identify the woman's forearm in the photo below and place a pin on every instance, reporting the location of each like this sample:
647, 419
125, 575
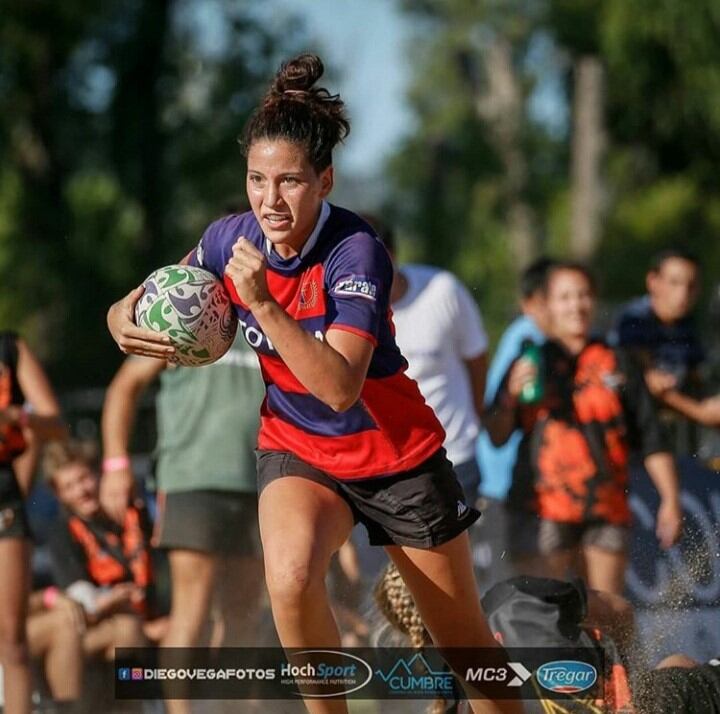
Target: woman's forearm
323, 370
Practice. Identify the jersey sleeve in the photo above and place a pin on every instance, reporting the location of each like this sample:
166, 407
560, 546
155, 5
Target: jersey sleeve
209, 252
470, 332
358, 277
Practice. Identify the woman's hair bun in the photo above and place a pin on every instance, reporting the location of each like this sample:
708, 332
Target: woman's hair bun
298, 74
296, 110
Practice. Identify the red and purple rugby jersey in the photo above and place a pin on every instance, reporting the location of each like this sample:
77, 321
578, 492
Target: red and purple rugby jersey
341, 280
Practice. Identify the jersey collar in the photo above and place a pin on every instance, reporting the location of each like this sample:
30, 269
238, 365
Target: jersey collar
313, 239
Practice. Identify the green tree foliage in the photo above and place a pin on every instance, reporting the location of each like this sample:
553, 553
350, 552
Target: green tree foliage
118, 127
662, 117
456, 182
663, 63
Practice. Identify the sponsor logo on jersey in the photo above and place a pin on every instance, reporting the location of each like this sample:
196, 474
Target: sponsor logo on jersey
356, 286
308, 295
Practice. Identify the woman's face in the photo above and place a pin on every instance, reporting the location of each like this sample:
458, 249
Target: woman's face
285, 192
570, 304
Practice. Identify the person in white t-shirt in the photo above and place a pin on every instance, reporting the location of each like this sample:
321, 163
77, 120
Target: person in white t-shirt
440, 332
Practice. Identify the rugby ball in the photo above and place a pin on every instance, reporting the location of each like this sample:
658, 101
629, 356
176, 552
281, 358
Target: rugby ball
193, 308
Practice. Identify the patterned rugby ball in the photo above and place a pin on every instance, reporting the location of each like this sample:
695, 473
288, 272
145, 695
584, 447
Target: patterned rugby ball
192, 307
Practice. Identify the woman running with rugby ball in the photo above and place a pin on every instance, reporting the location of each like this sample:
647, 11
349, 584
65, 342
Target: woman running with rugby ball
345, 435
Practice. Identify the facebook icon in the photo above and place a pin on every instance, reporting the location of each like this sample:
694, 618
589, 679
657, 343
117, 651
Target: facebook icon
124, 674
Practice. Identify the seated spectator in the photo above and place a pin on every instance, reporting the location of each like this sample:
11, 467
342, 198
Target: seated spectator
55, 628
105, 567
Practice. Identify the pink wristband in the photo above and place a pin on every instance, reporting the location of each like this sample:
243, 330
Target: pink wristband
50, 596
115, 463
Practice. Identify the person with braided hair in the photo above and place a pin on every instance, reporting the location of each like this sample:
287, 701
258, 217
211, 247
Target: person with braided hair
345, 434
396, 604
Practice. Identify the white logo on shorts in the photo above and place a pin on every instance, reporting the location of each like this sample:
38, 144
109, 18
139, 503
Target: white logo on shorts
462, 509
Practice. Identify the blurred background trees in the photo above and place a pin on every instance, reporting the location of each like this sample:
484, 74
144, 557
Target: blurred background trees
487, 181
588, 128
118, 128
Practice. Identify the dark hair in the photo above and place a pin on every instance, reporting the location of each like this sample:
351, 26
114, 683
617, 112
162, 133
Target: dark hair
573, 267
534, 277
658, 260
296, 111
384, 232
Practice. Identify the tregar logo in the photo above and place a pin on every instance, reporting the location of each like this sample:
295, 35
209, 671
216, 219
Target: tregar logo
416, 676
566, 676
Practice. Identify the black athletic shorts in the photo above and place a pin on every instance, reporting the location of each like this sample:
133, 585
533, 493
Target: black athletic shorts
210, 521
422, 508
13, 520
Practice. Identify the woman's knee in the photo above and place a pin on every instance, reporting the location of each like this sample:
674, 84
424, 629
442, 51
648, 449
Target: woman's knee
290, 580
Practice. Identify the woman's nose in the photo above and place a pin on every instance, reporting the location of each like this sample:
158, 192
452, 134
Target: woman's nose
272, 194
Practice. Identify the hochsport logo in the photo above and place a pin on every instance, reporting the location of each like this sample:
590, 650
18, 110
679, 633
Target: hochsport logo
566, 676
339, 673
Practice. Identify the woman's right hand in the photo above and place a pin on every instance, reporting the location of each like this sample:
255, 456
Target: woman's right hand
116, 491
522, 372
132, 339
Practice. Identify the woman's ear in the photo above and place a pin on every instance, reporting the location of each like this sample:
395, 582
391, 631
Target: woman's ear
327, 180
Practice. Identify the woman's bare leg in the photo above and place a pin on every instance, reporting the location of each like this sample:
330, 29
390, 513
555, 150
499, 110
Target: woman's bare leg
302, 524
54, 637
14, 593
192, 578
443, 586
605, 569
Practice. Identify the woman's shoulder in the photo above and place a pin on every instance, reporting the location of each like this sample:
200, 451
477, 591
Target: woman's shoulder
350, 236
343, 224
232, 226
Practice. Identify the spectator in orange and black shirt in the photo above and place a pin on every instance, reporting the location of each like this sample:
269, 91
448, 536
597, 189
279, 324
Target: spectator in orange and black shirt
568, 501
105, 567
